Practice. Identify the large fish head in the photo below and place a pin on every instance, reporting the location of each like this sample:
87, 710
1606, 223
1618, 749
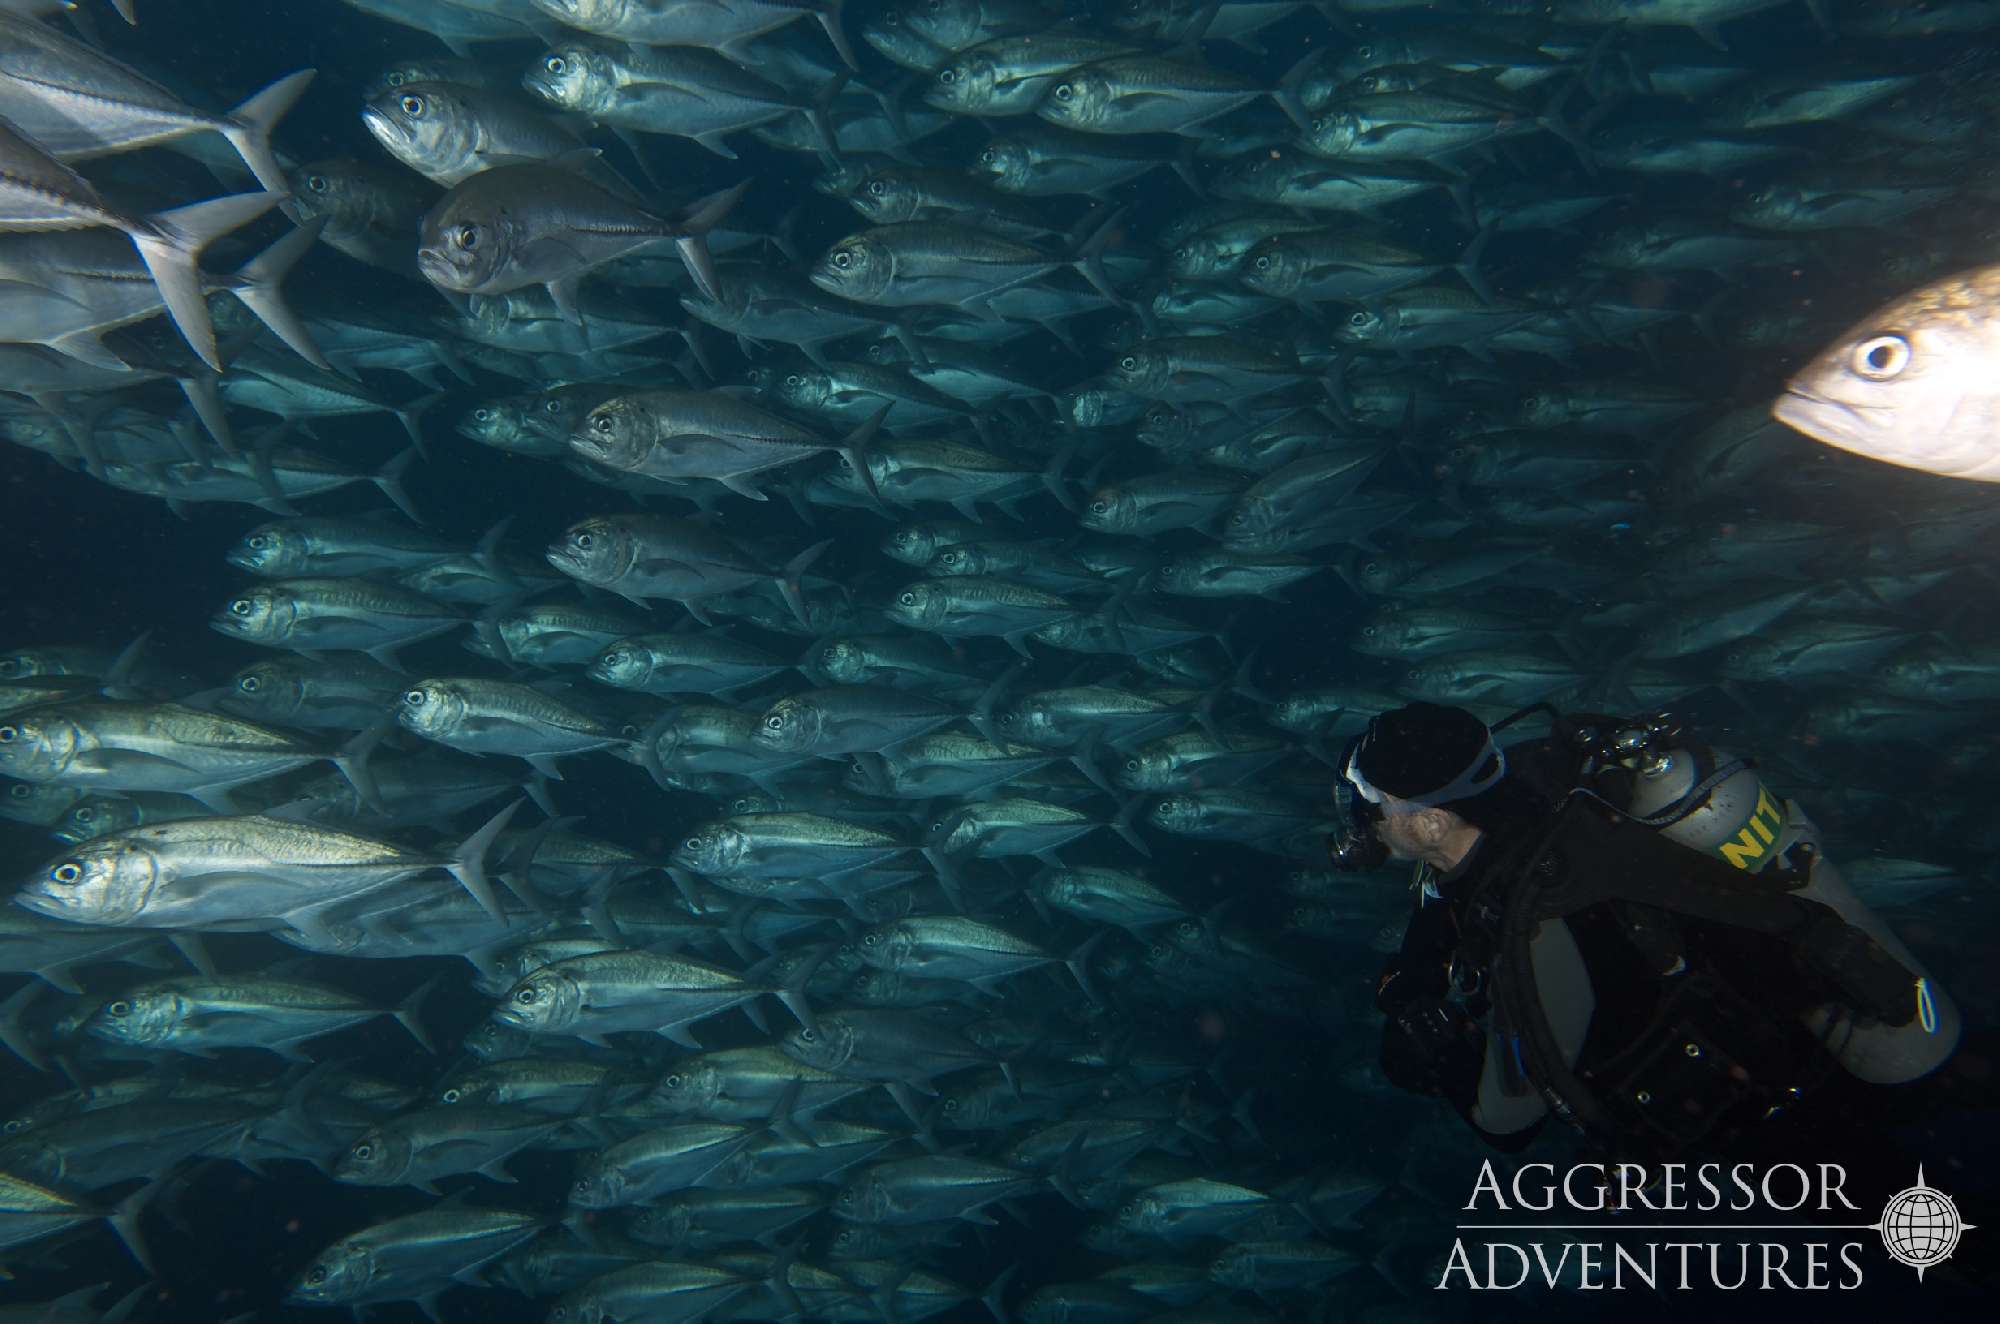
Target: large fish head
268, 689
1197, 257
912, 544
844, 661
1166, 428
1141, 367
1175, 813
790, 726
1334, 133
713, 849
264, 614
341, 1273
584, 1305
1250, 519
598, 1185
1362, 326
38, 747
886, 197
545, 1002
892, 36
426, 126
467, 243
626, 665
109, 881
32, 802
951, 24
1080, 101
692, 1088
495, 1042
886, 946
379, 1158
1111, 510
858, 268
270, 550
920, 605
431, 708
1146, 770
574, 75
595, 551
96, 817
340, 189
497, 423
964, 83
954, 832
826, 1046
1273, 267
1009, 162
1913, 385
618, 433
863, 1200
956, 561
143, 1016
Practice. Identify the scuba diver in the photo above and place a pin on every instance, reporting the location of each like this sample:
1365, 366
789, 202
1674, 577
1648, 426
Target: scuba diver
1624, 929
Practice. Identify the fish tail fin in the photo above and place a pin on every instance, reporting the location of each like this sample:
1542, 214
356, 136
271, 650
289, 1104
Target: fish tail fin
258, 287
830, 15
172, 244
695, 223
854, 449
124, 1220
248, 127
390, 479
1122, 825
788, 579
14, 1034
468, 862
408, 1013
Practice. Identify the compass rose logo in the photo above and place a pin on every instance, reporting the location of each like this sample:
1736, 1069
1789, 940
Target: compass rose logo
1920, 1226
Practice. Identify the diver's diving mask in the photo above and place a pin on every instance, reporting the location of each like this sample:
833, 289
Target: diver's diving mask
1363, 805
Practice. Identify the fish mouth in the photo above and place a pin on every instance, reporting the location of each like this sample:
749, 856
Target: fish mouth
437, 268
42, 903
387, 129
1818, 417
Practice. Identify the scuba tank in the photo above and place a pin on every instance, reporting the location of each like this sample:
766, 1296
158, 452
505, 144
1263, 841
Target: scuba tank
1712, 802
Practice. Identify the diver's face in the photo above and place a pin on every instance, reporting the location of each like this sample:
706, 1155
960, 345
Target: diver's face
1401, 829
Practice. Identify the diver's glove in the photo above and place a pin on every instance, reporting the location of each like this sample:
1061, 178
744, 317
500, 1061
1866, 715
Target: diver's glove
1432, 1047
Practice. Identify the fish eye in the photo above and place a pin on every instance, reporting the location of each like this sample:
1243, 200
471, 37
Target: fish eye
808, 1036
1065, 91
451, 1095
989, 156
84, 814
482, 413
877, 187
847, 1197
364, 1151
938, 826
67, 872
1263, 263
259, 541
774, 723
1131, 765
951, 1106
249, 684
395, 80
948, 75
603, 423
412, 105
119, 1008
907, 599
582, 541
1129, 363
317, 183
468, 236
871, 940
692, 843
1358, 318
526, 997
552, 406
674, 1082
241, 606
843, 259
315, 1276
555, 64
1098, 507
415, 698
7, 734
794, 380
1883, 358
